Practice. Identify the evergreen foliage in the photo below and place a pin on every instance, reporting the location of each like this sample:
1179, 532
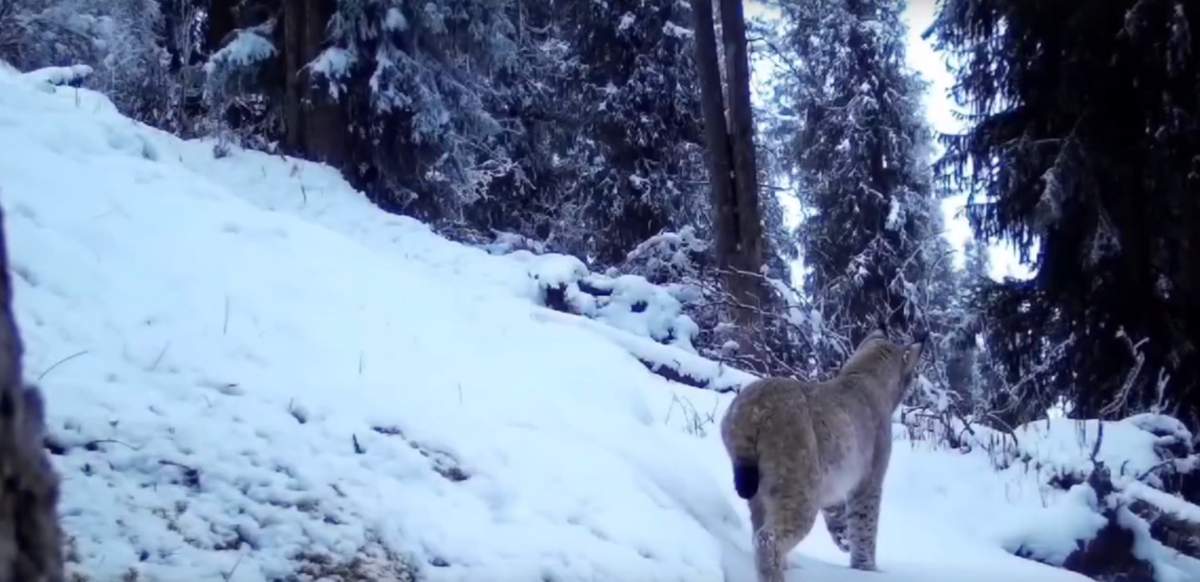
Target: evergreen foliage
1084, 151
872, 235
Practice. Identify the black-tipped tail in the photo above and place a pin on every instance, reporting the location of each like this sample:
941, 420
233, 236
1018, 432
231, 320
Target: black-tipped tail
745, 478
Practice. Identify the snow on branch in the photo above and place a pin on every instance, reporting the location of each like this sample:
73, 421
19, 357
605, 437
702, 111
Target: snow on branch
249, 46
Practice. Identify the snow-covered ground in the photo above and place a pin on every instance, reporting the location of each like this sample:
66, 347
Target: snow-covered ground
254, 374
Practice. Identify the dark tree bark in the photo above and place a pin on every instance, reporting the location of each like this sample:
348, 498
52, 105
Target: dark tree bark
749, 249
1084, 152
30, 540
221, 22
712, 102
315, 124
731, 166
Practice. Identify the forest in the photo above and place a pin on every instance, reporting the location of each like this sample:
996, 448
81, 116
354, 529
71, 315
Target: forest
760, 180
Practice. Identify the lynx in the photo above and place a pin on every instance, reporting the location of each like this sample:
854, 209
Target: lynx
798, 448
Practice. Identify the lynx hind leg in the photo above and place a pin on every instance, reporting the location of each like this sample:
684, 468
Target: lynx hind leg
835, 522
785, 524
862, 522
756, 513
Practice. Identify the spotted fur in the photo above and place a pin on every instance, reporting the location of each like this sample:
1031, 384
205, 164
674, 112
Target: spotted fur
802, 448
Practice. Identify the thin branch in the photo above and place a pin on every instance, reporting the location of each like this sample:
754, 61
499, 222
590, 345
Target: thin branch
59, 363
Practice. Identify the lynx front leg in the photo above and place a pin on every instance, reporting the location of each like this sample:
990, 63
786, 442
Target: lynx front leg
835, 521
863, 524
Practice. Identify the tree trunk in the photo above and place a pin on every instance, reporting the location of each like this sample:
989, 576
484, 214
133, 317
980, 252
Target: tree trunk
315, 124
731, 167
720, 164
741, 130
30, 540
220, 23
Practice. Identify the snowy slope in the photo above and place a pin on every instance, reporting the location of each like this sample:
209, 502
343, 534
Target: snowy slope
254, 374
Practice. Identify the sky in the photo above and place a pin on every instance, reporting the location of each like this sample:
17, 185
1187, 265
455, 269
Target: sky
939, 111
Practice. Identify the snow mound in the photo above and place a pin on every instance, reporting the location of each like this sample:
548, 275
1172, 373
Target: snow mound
253, 374
1073, 519
72, 75
626, 302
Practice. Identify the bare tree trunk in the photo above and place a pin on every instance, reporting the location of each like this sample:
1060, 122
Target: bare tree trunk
30, 540
221, 22
732, 172
315, 124
293, 88
720, 164
741, 130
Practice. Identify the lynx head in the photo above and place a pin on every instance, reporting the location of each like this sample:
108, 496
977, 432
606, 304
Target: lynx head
893, 364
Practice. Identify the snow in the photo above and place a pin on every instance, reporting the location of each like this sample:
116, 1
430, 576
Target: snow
1072, 520
253, 374
627, 302
895, 215
674, 30
1062, 444
1174, 505
1168, 564
60, 75
508, 242
248, 47
1162, 425
395, 21
333, 64
668, 255
627, 22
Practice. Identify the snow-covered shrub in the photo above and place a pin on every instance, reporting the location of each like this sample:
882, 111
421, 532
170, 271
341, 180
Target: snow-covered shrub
428, 84
238, 111
632, 303
626, 302
508, 242
1121, 516
120, 39
668, 257
71, 76
1069, 523
665, 290
40, 33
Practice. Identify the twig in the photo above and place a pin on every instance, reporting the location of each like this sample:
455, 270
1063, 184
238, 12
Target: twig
1005, 428
180, 465
1139, 359
1099, 439
1151, 470
162, 353
91, 445
1055, 354
229, 576
59, 363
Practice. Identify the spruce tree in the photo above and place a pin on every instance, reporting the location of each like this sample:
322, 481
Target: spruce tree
1083, 152
872, 237
576, 123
